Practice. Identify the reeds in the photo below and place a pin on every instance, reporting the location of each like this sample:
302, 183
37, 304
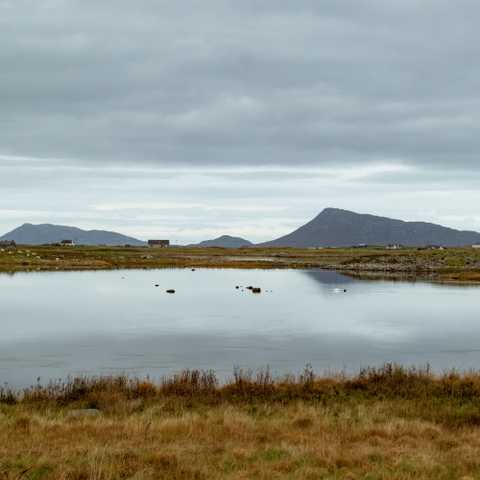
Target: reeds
389, 381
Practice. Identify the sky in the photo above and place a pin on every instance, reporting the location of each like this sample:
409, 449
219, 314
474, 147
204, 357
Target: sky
189, 120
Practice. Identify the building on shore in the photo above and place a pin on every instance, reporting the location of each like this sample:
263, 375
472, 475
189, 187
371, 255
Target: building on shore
394, 246
67, 243
7, 244
159, 243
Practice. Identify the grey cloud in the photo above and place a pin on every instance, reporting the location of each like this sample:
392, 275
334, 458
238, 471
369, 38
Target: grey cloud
241, 83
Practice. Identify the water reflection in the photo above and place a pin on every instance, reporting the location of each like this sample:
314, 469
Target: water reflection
328, 278
59, 324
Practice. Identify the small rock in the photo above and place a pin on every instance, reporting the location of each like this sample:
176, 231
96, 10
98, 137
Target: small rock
157, 285
171, 290
256, 290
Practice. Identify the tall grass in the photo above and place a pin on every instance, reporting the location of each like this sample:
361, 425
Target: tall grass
389, 382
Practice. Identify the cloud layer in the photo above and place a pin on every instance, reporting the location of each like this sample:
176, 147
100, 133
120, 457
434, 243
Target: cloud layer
292, 106
223, 82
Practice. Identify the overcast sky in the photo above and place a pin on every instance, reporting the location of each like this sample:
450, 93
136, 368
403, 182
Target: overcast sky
191, 119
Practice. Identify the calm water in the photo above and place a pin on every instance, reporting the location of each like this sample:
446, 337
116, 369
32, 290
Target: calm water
58, 324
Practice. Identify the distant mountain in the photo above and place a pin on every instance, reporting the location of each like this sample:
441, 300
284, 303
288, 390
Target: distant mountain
29, 234
225, 241
341, 228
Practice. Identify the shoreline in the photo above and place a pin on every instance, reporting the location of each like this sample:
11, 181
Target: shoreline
451, 266
390, 380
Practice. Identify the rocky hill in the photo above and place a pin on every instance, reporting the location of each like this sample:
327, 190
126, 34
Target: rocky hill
342, 228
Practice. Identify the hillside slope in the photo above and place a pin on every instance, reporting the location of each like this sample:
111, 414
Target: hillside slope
342, 228
29, 234
225, 241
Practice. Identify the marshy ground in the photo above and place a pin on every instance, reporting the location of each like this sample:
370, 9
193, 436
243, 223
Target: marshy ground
449, 265
389, 423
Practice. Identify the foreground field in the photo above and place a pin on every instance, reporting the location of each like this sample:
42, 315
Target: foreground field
452, 265
384, 424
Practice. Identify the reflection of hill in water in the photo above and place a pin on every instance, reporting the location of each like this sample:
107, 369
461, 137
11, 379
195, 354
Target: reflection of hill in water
329, 279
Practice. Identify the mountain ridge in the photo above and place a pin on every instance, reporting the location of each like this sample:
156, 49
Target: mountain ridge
224, 241
44, 233
334, 227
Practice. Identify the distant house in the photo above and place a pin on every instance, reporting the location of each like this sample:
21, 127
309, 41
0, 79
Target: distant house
67, 243
432, 247
7, 244
476, 246
394, 246
159, 243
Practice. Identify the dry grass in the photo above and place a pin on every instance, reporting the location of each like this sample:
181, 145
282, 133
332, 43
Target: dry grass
390, 423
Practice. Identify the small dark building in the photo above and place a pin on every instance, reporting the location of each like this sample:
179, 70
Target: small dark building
67, 243
7, 244
159, 243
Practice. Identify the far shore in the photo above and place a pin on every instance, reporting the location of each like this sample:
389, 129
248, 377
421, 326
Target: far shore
451, 265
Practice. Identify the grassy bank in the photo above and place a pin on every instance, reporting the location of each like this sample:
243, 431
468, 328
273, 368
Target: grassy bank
389, 423
450, 265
